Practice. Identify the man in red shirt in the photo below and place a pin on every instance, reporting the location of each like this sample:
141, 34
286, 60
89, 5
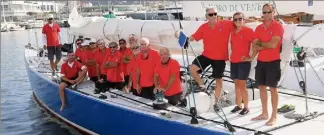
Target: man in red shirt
72, 74
126, 54
166, 77
52, 42
79, 50
90, 59
215, 35
146, 60
113, 66
132, 68
268, 40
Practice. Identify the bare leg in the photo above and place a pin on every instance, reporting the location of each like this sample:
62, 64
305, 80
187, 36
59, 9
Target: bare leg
193, 70
218, 88
274, 101
52, 67
244, 93
62, 94
238, 94
264, 101
55, 64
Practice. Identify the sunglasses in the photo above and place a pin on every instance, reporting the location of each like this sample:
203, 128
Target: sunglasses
134, 48
265, 12
112, 46
212, 14
50, 18
237, 19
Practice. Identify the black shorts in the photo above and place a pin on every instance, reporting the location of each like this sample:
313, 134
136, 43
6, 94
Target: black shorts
94, 79
218, 66
68, 83
240, 71
114, 85
174, 99
135, 92
54, 50
147, 92
268, 73
126, 77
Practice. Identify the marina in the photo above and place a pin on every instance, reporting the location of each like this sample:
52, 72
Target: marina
109, 111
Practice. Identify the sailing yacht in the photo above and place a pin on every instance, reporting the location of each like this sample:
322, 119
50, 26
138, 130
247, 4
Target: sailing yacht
114, 111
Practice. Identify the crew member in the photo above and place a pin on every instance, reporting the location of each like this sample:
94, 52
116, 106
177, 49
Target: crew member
215, 35
241, 39
115, 75
52, 42
268, 40
166, 78
126, 55
146, 60
90, 59
131, 69
100, 57
79, 50
72, 74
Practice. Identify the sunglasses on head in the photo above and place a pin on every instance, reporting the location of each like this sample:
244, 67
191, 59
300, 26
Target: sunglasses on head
237, 19
112, 46
267, 12
134, 48
212, 14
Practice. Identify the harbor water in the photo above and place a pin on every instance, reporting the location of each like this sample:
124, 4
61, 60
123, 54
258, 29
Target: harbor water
20, 114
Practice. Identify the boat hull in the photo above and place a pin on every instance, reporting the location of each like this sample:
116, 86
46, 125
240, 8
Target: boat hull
94, 116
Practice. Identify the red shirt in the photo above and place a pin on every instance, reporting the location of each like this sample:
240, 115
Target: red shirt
79, 53
215, 39
164, 73
114, 74
147, 66
71, 72
131, 69
90, 55
265, 35
52, 34
100, 57
127, 52
241, 43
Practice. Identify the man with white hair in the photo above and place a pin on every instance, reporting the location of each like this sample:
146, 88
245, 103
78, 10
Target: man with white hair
215, 35
147, 60
52, 42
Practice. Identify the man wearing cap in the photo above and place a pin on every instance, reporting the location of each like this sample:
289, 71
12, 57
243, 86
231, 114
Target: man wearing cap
52, 42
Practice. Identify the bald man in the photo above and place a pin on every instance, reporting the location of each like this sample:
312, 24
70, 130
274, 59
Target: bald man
146, 60
166, 77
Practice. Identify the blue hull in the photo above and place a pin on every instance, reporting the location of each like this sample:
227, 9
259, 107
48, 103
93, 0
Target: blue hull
104, 118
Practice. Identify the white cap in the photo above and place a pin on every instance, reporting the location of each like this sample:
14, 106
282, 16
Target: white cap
50, 16
85, 42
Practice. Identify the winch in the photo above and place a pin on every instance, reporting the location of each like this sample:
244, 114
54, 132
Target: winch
160, 102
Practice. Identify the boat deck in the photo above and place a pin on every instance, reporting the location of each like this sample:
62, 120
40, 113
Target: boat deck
313, 126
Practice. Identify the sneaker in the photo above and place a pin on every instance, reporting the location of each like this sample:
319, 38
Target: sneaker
236, 108
216, 108
244, 111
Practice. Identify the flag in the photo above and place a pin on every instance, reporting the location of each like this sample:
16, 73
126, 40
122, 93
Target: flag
182, 39
310, 3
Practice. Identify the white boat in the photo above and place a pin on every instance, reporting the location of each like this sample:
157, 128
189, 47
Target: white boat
17, 28
125, 109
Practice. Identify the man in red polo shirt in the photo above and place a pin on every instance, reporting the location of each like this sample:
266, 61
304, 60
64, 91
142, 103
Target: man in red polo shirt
126, 55
268, 40
115, 75
215, 35
166, 78
52, 42
90, 59
72, 73
132, 68
146, 60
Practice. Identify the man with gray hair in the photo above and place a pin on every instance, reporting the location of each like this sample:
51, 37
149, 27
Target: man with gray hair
215, 35
146, 60
166, 77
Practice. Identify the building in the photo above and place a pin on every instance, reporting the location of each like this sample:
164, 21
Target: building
19, 10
